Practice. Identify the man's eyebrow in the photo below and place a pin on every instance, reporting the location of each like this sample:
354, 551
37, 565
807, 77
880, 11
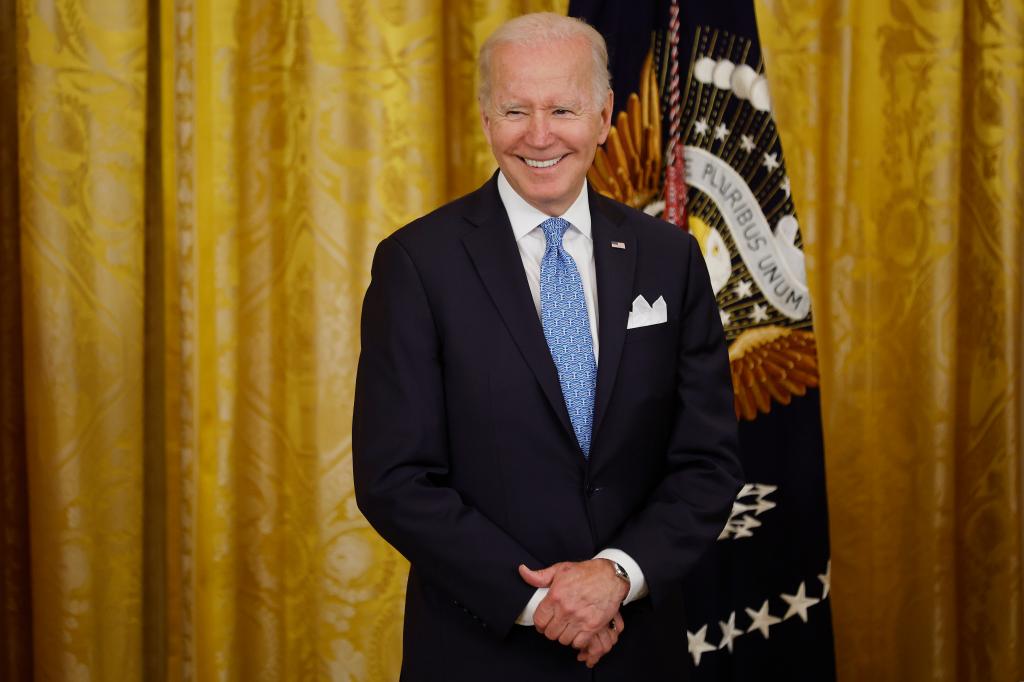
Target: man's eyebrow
505, 106
571, 106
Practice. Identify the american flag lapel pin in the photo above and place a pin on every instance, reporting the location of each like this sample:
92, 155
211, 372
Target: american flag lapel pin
618, 245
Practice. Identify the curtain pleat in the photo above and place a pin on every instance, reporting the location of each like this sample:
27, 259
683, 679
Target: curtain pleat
81, 98
15, 578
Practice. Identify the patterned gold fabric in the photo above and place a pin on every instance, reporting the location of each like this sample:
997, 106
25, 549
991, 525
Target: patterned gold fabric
190, 193
903, 123
194, 199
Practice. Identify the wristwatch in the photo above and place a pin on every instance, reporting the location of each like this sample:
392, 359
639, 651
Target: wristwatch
620, 572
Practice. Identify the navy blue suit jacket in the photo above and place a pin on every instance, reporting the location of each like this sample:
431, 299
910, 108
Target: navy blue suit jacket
465, 460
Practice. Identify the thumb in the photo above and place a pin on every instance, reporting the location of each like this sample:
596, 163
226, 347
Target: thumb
541, 578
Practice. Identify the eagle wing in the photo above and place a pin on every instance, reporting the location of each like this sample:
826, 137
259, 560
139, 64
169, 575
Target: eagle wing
771, 363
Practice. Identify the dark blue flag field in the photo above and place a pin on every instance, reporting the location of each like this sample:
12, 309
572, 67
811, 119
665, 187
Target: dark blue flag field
695, 142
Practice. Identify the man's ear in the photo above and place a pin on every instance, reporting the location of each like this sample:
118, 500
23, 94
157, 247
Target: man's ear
606, 116
485, 121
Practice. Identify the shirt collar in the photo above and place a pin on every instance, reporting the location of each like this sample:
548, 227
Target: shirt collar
525, 218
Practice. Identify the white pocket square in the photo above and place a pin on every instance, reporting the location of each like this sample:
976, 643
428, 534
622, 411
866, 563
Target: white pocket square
645, 314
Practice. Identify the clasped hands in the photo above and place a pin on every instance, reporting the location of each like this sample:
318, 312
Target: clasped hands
581, 608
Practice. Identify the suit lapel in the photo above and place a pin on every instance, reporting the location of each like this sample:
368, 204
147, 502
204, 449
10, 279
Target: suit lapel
492, 247
615, 267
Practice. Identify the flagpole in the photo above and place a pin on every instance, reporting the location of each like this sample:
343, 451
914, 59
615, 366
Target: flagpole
675, 183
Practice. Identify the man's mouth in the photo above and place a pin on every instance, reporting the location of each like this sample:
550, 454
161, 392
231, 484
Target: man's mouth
539, 163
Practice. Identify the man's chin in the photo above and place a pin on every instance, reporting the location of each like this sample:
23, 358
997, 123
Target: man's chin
546, 195
554, 205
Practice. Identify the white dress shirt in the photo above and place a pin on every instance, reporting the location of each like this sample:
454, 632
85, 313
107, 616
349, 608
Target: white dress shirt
579, 244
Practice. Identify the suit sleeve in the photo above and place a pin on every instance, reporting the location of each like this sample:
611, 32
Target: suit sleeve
688, 508
400, 453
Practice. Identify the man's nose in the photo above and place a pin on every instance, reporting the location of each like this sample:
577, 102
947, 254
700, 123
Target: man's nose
538, 133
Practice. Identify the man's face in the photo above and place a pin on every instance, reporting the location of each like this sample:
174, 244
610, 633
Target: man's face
542, 122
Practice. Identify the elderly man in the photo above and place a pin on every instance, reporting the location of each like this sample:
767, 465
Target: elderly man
543, 420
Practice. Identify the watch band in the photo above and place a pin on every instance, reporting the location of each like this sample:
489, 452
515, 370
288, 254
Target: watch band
620, 572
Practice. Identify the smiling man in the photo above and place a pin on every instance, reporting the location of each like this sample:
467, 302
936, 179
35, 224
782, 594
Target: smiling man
544, 113
543, 420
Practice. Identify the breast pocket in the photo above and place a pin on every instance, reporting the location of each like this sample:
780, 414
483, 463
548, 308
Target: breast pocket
651, 331
649, 353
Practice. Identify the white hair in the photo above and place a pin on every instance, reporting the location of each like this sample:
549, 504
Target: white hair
544, 27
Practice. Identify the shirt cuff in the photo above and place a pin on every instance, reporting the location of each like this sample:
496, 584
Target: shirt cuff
526, 616
637, 584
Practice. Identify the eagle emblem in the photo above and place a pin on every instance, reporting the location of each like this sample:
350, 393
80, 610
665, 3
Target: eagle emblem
739, 208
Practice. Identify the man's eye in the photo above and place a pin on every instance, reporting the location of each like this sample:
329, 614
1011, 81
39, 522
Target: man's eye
515, 113
563, 112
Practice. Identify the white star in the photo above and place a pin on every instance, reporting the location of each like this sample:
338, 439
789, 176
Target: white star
747, 143
763, 506
721, 132
761, 619
725, 316
749, 522
740, 531
738, 508
760, 313
785, 186
701, 127
729, 631
798, 603
826, 579
771, 161
696, 645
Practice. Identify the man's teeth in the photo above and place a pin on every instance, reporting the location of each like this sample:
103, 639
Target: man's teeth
542, 164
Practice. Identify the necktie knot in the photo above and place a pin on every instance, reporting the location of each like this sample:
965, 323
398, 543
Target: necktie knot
554, 230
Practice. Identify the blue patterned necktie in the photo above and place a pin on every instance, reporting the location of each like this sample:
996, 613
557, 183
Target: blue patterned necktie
563, 314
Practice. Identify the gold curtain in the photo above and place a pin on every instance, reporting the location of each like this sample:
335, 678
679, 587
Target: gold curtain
190, 194
903, 124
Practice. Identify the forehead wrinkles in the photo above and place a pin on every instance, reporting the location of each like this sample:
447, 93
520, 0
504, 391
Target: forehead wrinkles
540, 90
523, 70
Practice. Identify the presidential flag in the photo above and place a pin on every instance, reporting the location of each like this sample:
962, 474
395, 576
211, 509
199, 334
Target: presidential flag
695, 142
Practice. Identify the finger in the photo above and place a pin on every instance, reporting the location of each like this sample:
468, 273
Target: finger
582, 640
555, 628
542, 615
569, 634
613, 639
592, 645
613, 635
600, 645
541, 578
592, 654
